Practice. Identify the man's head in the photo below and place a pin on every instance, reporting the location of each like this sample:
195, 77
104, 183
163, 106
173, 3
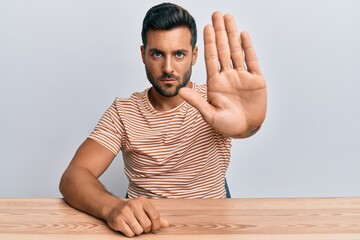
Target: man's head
169, 50
167, 16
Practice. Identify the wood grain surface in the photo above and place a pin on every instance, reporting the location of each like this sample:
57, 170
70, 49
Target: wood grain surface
308, 218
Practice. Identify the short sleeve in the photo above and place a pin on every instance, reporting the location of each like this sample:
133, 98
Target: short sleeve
108, 130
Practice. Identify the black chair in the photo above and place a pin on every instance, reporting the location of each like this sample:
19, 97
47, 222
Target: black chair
228, 195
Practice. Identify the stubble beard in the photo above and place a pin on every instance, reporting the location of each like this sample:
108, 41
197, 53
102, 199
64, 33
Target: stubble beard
168, 90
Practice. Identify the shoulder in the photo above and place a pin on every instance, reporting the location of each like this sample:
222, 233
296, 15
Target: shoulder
135, 99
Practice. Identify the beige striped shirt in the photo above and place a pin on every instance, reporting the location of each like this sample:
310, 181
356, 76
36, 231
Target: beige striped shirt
171, 154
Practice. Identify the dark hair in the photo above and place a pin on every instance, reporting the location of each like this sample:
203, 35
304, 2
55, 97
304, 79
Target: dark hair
167, 16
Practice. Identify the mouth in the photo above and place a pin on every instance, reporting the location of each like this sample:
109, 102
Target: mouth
168, 80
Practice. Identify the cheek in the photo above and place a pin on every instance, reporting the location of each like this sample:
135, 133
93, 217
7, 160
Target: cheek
154, 70
153, 65
184, 67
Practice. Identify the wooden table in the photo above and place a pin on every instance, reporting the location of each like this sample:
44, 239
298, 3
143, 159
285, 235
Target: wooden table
310, 218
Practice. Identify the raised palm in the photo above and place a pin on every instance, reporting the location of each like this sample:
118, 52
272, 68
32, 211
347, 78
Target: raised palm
236, 97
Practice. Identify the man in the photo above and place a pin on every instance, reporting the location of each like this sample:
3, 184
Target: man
175, 136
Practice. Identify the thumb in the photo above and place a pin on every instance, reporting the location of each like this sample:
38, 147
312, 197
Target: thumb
164, 223
197, 101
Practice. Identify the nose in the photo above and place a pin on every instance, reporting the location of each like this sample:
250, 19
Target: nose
168, 65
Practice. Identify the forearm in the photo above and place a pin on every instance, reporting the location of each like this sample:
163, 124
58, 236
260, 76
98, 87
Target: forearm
82, 190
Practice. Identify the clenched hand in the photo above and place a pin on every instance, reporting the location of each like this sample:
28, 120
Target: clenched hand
134, 217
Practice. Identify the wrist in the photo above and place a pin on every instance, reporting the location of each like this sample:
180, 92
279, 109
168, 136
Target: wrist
108, 205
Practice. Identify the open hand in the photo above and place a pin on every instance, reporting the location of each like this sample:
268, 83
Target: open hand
236, 89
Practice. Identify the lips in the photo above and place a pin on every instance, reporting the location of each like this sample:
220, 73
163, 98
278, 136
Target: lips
168, 79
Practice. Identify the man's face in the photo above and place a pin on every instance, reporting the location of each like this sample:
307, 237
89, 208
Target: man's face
168, 59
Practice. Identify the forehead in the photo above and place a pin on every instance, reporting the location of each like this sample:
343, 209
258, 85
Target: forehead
176, 38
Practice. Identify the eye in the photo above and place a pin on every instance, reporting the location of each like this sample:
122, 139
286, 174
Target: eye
179, 55
157, 54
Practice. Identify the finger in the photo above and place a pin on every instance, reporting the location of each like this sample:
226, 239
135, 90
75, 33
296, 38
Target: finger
250, 55
222, 43
164, 223
125, 222
135, 226
144, 220
152, 214
198, 102
211, 57
236, 50
125, 229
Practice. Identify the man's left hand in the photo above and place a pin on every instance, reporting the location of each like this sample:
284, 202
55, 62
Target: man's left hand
236, 89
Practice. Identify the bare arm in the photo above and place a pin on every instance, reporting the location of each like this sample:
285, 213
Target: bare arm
82, 189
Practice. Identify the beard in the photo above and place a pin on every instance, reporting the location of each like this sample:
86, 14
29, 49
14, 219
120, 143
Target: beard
170, 89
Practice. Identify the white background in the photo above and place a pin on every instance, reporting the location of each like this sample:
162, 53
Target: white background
63, 62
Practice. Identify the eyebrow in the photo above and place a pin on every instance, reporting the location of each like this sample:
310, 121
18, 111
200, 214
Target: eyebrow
162, 52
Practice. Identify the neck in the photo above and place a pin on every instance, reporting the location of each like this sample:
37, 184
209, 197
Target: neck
162, 103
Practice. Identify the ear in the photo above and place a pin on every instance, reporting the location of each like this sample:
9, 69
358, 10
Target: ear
194, 55
142, 49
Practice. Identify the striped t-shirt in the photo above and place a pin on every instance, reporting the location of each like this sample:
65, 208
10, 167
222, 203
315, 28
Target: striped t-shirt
170, 154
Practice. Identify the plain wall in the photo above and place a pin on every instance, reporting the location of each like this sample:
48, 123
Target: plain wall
63, 62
